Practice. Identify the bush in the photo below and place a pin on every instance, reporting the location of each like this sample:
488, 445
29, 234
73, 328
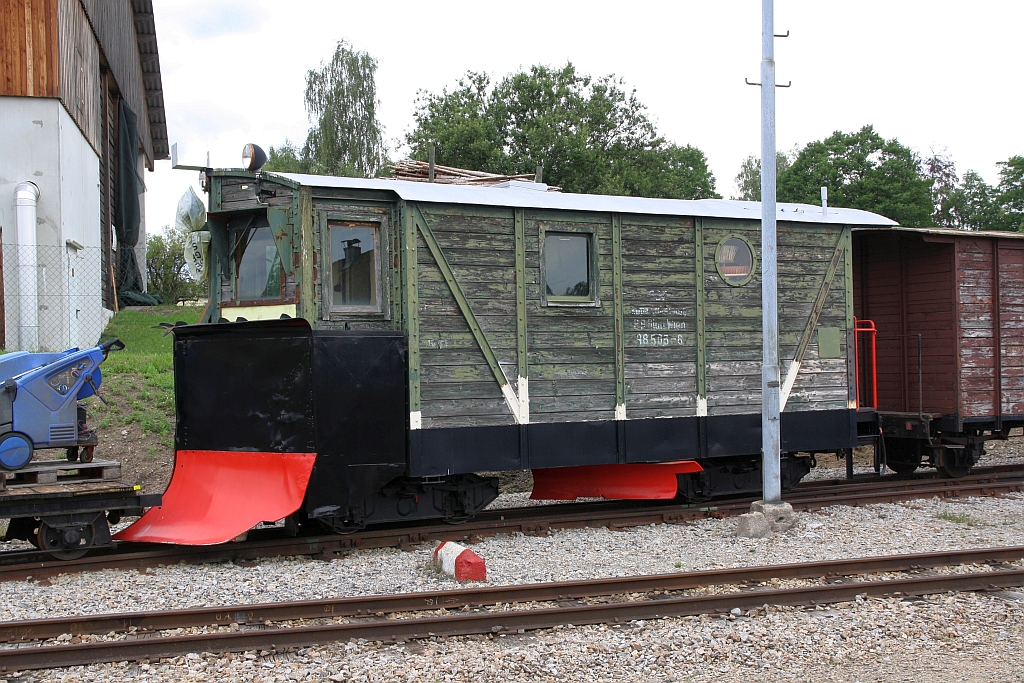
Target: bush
166, 270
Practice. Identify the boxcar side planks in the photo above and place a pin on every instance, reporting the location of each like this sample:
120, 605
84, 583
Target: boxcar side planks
947, 306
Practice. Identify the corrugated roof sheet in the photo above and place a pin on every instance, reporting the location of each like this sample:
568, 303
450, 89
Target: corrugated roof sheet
533, 199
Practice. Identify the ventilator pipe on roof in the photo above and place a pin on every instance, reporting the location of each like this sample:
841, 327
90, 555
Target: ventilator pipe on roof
26, 199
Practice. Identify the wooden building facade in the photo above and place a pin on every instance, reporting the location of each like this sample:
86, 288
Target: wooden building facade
66, 69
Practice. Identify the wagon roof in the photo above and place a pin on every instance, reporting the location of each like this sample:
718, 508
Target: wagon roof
519, 196
952, 232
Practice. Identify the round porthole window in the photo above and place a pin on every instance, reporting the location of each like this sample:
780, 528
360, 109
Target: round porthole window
735, 260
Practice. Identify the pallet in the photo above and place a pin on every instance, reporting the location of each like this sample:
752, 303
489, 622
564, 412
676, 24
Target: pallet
56, 472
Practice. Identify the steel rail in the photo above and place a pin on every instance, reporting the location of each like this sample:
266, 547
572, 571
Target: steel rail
461, 624
531, 521
260, 613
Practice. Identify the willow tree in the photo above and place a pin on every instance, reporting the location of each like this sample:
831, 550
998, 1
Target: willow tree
346, 138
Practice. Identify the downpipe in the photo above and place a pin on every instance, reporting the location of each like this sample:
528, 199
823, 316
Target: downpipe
26, 199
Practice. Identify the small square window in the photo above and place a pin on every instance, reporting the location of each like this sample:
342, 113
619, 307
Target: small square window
355, 267
569, 267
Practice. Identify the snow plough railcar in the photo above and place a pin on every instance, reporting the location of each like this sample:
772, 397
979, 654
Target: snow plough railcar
373, 346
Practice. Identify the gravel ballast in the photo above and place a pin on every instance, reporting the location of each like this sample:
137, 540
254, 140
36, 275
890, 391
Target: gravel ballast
963, 636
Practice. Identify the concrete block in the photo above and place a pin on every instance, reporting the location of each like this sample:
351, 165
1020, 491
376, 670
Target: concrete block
779, 515
460, 562
753, 525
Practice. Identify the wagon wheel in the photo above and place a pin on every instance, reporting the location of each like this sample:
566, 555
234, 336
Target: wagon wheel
955, 462
87, 453
72, 454
902, 456
63, 544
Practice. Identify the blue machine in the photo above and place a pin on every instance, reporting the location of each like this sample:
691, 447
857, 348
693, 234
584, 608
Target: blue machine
39, 395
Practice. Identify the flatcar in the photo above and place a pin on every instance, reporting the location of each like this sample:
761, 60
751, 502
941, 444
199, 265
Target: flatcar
61, 506
372, 345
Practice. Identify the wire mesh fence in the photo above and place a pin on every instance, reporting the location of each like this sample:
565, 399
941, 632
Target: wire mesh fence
52, 297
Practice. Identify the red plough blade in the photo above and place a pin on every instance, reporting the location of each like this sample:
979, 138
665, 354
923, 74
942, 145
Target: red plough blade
640, 481
215, 496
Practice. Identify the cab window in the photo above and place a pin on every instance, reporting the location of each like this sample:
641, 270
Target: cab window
355, 267
258, 267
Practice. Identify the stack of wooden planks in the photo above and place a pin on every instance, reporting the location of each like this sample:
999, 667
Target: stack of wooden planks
419, 171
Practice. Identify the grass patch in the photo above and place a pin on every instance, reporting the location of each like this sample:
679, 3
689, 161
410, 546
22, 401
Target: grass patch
138, 382
957, 518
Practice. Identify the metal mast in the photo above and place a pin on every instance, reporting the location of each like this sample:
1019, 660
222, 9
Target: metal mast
770, 385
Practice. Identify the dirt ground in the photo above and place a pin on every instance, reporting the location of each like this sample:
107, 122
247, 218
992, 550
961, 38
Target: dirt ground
144, 459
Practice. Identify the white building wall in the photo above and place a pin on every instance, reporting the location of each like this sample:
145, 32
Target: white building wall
80, 236
42, 144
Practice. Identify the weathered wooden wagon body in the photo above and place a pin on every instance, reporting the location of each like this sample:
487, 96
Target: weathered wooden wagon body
948, 307
546, 330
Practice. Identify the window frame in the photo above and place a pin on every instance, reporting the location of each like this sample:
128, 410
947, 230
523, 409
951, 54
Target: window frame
332, 309
594, 276
235, 260
753, 259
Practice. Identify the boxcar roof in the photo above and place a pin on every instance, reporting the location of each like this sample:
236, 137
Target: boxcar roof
520, 197
952, 232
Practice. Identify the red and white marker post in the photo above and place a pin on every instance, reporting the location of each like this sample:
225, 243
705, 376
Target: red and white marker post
460, 562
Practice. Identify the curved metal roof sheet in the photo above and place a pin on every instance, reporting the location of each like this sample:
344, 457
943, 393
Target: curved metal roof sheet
519, 197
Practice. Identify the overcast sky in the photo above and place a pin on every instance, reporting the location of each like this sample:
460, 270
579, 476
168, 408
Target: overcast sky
935, 75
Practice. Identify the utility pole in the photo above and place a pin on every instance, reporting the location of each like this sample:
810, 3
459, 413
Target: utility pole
771, 440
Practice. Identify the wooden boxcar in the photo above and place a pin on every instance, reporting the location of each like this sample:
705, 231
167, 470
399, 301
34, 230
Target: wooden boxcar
552, 330
948, 307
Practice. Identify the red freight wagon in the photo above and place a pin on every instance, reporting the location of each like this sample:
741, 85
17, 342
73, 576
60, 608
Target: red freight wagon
947, 308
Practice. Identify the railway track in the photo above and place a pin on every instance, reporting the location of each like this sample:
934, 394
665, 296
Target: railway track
538, 520
578, 603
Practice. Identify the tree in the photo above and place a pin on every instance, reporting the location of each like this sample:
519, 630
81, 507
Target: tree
346, 138
973, 205
341, 99
862, 171
591, 135
1011, 191
942, 170
748, 180
166, 271
286, 158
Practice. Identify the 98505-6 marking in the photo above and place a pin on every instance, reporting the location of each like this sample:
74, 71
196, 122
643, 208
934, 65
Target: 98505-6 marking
659, 339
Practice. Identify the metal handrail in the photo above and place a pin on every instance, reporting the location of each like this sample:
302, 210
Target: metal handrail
865, 327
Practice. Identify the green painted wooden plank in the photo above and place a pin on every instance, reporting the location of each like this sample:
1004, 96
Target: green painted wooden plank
410, 305
702, 381
395, 265
467, 312
851, 339
522, 339
620, 361
458, 210
567, 216
576, 388
308, 291
812, 320
588, 415
215, 193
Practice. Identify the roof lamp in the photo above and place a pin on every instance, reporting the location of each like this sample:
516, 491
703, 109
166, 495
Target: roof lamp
253, 157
